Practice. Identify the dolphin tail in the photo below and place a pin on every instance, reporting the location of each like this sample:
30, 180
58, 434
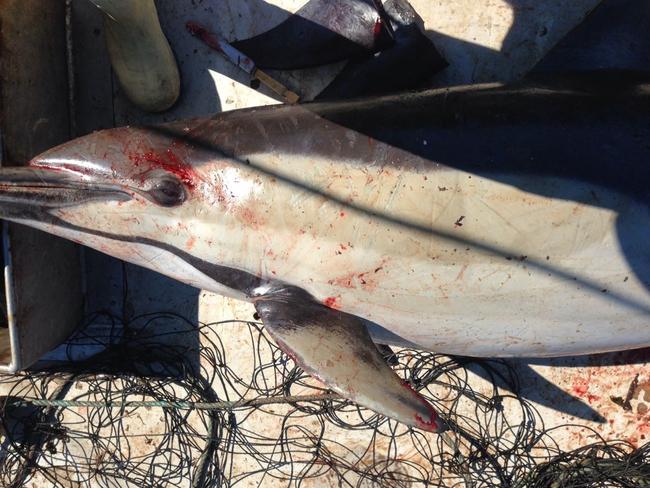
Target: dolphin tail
336, 348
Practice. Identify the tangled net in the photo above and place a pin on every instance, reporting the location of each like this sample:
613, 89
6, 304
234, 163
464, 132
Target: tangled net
161, 405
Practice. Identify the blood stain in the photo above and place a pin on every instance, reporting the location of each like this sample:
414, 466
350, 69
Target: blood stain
333, 302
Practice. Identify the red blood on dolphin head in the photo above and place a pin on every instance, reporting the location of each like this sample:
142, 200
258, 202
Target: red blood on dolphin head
169, 161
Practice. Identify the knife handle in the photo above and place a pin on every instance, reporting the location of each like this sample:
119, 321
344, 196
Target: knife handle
276, 86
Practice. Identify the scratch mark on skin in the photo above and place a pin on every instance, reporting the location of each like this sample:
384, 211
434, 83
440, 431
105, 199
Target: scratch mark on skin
502, 284
485, 277
495, 212
461, 273
148, 259
441, 211
393, 193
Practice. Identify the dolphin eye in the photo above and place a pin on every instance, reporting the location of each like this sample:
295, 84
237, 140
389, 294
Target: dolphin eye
167, 192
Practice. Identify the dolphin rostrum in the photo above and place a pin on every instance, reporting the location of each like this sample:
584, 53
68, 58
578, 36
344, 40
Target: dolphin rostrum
483, 220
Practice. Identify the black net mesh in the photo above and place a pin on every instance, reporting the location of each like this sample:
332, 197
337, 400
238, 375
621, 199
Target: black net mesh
161, 405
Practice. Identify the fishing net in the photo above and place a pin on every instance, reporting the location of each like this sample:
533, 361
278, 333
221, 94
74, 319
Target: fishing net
160, 405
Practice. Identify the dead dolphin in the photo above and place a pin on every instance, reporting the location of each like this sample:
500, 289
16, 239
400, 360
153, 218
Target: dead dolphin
482, 220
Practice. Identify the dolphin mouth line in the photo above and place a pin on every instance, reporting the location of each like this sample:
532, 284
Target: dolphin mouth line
32, 189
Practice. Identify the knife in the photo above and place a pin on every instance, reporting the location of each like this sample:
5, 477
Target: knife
241, 60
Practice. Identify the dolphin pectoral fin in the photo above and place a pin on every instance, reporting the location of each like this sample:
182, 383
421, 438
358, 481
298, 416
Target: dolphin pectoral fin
336, 348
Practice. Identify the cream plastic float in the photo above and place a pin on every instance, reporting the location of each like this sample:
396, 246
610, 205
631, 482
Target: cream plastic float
140, 54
